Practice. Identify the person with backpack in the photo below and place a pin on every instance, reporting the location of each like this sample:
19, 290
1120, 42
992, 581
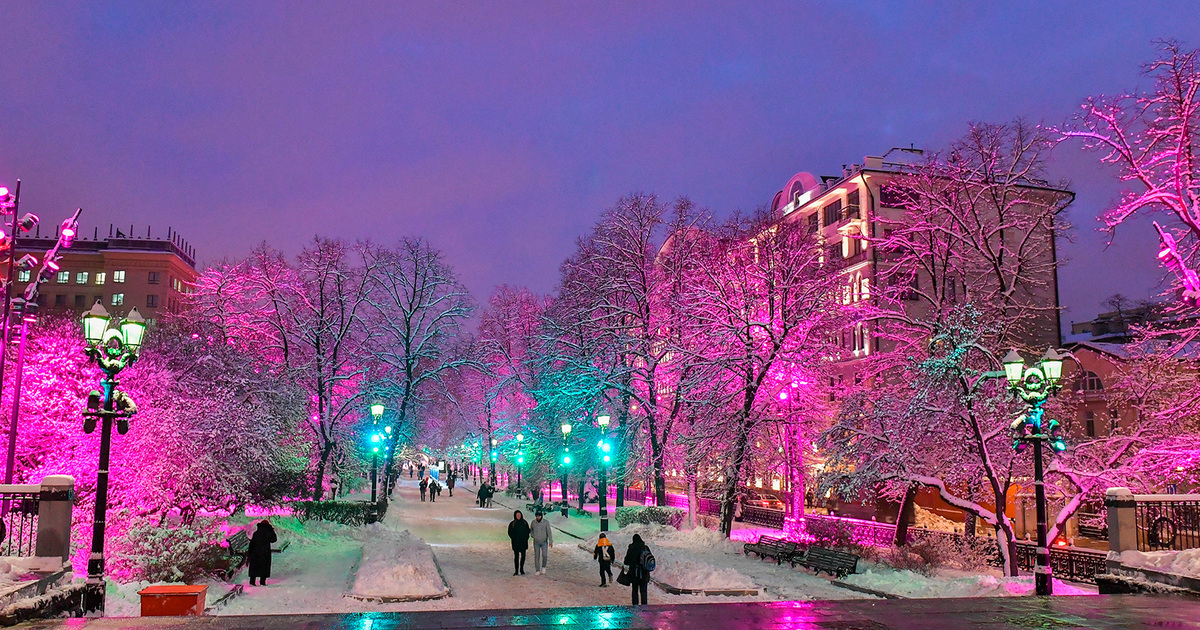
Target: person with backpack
424, 486
639, 562
605, 553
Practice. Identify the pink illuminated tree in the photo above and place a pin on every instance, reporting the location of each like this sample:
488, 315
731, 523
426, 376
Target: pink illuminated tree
1152, 138
767, 303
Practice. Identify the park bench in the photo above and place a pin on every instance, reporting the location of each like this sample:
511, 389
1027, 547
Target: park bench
772, 547
831, 561
238, 553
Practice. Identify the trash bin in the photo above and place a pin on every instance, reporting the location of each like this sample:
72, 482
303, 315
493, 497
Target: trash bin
173, 600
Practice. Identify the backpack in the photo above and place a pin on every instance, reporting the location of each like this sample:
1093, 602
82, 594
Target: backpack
647, 560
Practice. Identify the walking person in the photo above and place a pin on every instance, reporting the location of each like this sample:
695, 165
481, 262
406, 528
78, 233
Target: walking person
543, 538
259, 554
434, 489
518, 533
639, 562
411, 469
424, 487
605, 553
450, 484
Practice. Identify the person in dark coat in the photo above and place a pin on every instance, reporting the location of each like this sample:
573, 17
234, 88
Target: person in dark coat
518, 533
450, 484
434, 489
259, 553
424, 486
638, 578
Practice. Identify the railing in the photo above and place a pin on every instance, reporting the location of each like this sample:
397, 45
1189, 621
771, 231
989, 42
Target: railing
1168, 525
1072, 563
19, 522
762, 516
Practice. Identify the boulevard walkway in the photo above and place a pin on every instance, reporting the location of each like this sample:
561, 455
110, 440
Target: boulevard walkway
1107, 612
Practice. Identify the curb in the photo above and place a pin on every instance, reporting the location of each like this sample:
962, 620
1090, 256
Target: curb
865, 590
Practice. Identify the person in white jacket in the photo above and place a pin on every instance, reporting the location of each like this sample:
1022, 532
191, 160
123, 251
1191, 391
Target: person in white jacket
543, 537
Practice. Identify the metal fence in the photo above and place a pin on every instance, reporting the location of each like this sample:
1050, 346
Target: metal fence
18, 523
1079, 565
1168, 525
762, 516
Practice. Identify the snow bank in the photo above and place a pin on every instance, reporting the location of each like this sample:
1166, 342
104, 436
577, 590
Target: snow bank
681, 569
122, 600
1178, 562
910, 584
396, 564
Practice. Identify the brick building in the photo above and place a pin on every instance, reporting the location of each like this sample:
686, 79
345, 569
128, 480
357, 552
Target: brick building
121, 271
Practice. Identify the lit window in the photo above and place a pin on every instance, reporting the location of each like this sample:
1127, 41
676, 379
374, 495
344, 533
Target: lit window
119, 276
64, 277
23, 275
153, 277
100, 277
151, 301
81, 277
118, 299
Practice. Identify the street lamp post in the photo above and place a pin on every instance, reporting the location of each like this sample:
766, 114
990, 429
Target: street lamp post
492, 469
605, 460
520, 458
376, 414
112, 349
567, 463
1034, 385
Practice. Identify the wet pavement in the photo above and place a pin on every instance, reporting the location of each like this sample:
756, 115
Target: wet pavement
1099, 612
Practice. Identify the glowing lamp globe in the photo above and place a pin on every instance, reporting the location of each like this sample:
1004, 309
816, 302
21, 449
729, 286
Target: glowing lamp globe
567, 459
566, 428
603, 421
133, 330
1014, 367
1052, 363
520, 438
377, 410
95, 322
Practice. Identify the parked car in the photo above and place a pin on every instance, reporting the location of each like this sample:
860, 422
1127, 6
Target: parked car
755, 498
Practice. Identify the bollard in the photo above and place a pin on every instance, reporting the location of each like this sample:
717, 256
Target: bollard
1122, 523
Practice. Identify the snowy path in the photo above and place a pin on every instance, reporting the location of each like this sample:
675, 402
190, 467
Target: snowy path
473, 552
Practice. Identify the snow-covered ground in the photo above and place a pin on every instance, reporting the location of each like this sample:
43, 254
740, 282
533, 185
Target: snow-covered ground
1177, 562
953, 584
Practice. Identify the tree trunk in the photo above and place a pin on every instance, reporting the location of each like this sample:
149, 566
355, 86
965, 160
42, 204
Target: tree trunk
733, 473
319, 483
908, 507
693, 500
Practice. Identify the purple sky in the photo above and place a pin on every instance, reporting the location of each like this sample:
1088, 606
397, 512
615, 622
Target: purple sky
501, 130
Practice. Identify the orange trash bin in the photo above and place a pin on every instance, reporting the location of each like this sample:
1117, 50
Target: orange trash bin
173, 600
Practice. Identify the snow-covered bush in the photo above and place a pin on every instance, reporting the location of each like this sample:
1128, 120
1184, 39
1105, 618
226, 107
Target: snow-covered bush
650, 514
924, 557
152, 552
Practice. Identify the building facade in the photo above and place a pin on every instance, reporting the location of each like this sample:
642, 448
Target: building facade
152, 274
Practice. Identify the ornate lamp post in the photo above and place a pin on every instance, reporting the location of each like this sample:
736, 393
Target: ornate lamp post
1034, 384
492, 470
566, 464
605, 459
112, 349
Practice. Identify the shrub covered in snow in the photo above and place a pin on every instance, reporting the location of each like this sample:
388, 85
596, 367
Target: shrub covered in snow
150, 551
650, 514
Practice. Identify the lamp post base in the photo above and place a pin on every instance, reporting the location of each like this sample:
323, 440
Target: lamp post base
93, 597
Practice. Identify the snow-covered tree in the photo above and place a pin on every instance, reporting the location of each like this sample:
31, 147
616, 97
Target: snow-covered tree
766, 304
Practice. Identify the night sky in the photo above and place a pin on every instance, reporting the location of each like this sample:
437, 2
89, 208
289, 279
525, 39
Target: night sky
501, 130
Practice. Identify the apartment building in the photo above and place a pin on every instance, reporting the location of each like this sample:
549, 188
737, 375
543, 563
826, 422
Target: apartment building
846, 212
121, 271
